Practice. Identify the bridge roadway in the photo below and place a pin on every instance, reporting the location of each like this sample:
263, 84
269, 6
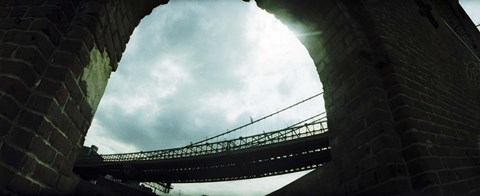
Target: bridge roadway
288, 150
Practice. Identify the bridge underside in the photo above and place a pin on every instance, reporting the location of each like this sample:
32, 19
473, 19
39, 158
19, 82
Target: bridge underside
275, 159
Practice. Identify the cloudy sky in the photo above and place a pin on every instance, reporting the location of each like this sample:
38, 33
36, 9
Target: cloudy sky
193, 70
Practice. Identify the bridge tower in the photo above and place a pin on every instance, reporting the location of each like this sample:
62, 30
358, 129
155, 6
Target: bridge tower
401, 81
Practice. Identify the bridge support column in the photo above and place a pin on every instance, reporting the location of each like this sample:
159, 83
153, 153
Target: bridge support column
55, 59
401, 86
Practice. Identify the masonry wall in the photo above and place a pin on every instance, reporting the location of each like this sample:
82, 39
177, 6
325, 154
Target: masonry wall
401, 81
366, 150
433, 83
425, 66
55, 59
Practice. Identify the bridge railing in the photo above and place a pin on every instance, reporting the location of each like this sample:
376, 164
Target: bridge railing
290, 133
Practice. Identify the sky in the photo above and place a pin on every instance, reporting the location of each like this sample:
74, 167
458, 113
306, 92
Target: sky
193, 70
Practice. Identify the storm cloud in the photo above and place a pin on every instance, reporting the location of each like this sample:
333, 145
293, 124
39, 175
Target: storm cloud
193, 70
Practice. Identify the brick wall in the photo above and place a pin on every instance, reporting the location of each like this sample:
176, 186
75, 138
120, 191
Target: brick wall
366, 150
433, 88
46, 103
402, 82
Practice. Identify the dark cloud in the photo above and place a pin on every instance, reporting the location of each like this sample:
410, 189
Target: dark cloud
187, 74
182, 56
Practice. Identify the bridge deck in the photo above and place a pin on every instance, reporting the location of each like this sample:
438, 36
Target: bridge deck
293, 149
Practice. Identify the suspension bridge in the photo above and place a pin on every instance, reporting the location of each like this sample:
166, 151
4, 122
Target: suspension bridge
301, 146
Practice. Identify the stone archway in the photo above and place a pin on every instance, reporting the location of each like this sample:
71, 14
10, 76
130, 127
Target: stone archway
402, 114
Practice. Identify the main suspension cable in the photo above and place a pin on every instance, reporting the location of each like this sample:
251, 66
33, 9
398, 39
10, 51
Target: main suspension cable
255, 121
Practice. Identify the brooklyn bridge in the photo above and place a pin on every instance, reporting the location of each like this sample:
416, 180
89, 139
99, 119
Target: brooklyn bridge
301, 146
401, 82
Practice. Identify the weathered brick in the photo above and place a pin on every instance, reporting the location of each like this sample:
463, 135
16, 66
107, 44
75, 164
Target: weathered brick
21, 138
66, 167
415, 151
9, 108
423, 180
73, 88
7, 174
25, 2
15, 88
66, 6
447, 176
4, 126
52, 13
32, 56
60, 142
40, 104
73, 134
86, 109
460, 188
72, 156
4, 11
415, 136
69, 60
89, 22
77, 47
30, 120
18, 12
20, 70
57, 163
45, 174
42, 151
12, 156
56, 89
56, 73
347, 174
391, 187
48, 28
30, 38
45, 129
74, 113
67, 183
29, 165
15, 23
384, 141
59, 118
377, 161
6, 50
24, 186
467, 173
81, 33
423, 164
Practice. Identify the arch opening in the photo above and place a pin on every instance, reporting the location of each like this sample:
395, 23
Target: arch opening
193, 70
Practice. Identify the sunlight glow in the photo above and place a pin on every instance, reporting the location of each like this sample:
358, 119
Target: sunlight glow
166, 94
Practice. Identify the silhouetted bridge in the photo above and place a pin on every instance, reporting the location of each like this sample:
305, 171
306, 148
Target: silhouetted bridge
301, 146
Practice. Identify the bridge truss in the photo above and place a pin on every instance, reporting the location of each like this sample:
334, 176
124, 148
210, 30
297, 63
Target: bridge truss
301, 146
